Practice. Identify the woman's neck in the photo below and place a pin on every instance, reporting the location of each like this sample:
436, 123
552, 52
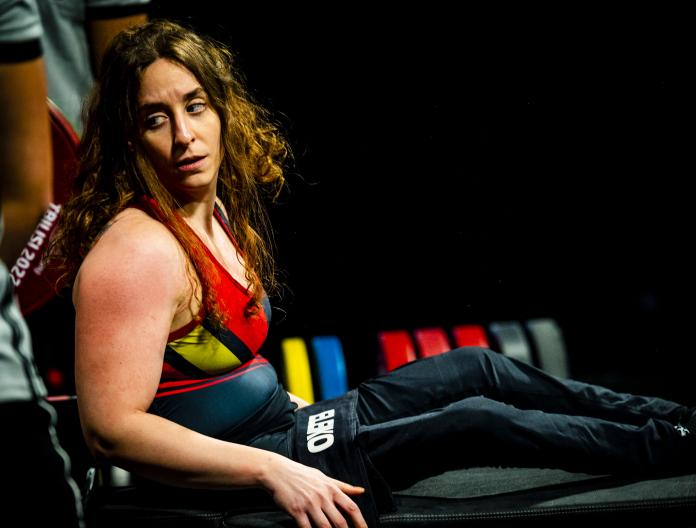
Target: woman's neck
199, 214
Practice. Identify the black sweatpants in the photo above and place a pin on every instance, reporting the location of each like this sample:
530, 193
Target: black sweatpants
474, 407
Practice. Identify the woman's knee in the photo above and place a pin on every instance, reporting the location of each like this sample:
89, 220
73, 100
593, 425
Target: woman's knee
479, 413
477, 366
472, 356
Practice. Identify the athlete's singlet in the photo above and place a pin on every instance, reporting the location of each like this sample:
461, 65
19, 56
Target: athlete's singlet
213, 379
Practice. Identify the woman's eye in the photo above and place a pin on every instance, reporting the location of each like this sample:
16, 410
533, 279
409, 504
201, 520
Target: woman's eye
196, 108
154, 121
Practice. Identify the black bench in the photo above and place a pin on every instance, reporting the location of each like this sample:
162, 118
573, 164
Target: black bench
473, 497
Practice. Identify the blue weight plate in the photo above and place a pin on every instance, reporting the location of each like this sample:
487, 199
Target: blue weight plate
331, 366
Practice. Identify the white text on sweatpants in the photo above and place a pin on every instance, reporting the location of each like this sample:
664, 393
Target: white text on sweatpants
320, 431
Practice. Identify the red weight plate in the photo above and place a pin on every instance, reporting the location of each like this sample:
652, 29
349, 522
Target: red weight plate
34, 284
470, 336
431, 341
396, 349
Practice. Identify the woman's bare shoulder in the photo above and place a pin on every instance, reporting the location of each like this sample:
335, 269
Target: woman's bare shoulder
136, 235
132, 249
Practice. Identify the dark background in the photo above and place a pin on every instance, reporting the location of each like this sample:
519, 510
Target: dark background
454, 166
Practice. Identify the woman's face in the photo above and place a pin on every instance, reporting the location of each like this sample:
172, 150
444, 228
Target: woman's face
179, 129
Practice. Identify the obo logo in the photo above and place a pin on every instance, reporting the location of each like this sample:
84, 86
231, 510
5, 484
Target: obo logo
320, 431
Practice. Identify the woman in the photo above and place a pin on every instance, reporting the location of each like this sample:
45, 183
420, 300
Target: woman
164, 241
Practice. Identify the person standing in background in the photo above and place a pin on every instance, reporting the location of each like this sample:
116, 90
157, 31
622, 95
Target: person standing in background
46, 50
36, 470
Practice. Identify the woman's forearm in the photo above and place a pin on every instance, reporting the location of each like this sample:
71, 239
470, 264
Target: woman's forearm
164, 451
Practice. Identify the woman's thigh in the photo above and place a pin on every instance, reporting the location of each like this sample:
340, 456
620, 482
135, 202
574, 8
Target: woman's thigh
421, 386
435, 382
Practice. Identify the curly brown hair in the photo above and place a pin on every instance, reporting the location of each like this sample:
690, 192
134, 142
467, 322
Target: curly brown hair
115, 172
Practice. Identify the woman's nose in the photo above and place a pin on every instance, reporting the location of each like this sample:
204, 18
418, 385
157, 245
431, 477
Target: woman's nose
183, 135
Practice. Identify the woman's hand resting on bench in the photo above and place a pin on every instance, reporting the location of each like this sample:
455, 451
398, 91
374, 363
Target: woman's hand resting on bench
311, 497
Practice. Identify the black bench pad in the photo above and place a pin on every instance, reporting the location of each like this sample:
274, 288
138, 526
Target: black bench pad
473, 497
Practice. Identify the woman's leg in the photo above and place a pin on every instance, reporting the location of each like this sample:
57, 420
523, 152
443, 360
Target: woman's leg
435, 382
480, 432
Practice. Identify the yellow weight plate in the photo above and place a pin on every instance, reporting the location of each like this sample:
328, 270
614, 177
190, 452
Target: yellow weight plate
298, 373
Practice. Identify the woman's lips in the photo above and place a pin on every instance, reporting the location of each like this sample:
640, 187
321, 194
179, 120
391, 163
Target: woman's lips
191, 164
